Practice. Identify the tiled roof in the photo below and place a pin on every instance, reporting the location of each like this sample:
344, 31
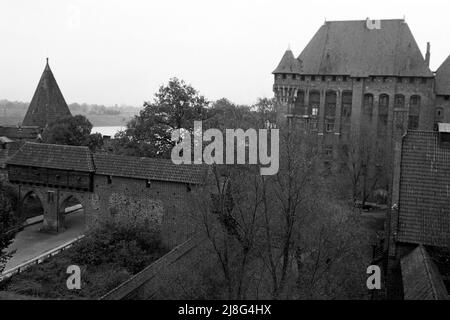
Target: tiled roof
81, 159
20, 133
421, 278
48, 104
54, 157
8, 152
288, 64
350, 48
148, 168
443, 78
424, 205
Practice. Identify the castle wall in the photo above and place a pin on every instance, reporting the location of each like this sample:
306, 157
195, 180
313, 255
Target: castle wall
168, 198
287, 89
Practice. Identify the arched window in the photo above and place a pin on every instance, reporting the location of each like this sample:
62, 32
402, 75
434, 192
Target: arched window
368, 105
383, 109
330, 110
439, 115
414, 112
299, 103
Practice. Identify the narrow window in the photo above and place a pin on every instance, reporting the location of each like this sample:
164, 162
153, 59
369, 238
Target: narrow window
368, 105
299, 104
330, 110
109, 179
383, 108
346, 105
414, 112
439, 114
399, 101
314, 103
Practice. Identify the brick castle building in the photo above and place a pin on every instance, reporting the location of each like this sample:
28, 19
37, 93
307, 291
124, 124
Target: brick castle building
361, 74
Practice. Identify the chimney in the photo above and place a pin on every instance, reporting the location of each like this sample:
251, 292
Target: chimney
427, 56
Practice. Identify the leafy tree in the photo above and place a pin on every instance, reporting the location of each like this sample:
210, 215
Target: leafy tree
175, 106
73, 131
7, 222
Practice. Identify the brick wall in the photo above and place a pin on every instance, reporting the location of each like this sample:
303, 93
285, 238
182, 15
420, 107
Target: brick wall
173, 198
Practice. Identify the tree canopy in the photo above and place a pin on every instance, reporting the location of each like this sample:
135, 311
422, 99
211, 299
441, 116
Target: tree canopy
73, 131
7, 222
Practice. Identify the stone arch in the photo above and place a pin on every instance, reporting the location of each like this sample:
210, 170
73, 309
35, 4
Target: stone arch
29, 194
77, 216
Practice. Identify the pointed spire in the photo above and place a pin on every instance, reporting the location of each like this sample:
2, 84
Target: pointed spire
48, 104
288, 64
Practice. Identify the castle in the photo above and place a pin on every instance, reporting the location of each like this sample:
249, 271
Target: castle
361, 75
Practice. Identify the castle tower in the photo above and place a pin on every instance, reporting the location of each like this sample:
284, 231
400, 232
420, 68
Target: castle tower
285, 89
48, 104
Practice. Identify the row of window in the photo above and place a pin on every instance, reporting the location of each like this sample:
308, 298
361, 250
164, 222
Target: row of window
312, 109
399, 102
410, 80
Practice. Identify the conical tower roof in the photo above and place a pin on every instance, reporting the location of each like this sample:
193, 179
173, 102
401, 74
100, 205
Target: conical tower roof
48, 104
288, 64
443, 78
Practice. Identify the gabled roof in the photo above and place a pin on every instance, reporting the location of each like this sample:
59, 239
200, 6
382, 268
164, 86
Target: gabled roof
443, 78
424, 205
288, 64
351, 48
48, 104
421, 278
148, 168
53, 156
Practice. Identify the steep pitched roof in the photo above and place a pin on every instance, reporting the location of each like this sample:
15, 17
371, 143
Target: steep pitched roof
288, 64
350, 48
424, 205
53, 156
148, 168
443, 78
48, 104
421, 278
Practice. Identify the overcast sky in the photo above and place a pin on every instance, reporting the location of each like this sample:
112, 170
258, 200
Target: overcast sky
120, 52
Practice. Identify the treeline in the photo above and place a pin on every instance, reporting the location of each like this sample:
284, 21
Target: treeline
18, 108
95, 109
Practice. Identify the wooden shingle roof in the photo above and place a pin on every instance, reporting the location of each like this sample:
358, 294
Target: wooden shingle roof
148, 168
351, 48
424, 205
421, 278
53, 156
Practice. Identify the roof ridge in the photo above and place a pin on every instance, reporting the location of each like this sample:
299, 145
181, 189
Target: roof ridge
427, 270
